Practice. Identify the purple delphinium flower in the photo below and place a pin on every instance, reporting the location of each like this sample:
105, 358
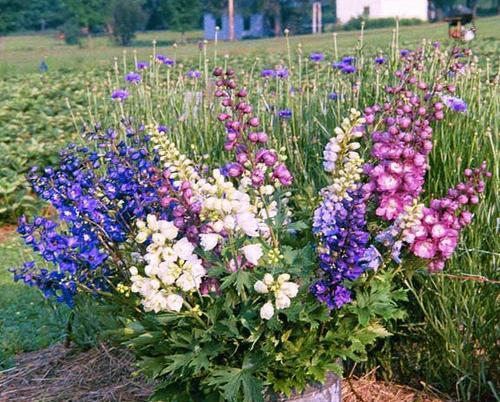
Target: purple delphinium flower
267, 73
344, 253
316, 56
133, 77
285, 114
119, 95
333, 96
282, 72
193, 74
379, 60
455, 104
348, 60
348, 69
337, 65
165, 60
142, 65
404, 52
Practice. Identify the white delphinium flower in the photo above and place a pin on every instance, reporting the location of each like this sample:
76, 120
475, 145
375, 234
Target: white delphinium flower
253, 253
341, 158
209, 240
171, 266
282, 289
267, 311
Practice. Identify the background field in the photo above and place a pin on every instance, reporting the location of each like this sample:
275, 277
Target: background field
21, 54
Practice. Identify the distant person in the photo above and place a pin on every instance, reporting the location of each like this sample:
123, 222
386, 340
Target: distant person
43, 67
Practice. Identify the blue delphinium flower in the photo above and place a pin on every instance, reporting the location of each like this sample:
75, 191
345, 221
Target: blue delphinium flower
379, 60
404, 52
316, 56
285, 114
96, 195
142, 65
344, 253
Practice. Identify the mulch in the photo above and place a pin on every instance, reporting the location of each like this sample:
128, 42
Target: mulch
58, 374
6, 231
106, 374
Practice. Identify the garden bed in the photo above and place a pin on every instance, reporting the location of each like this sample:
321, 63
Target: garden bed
105, 373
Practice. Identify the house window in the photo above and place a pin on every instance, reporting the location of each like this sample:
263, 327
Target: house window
246, 24
218, 22
366, 12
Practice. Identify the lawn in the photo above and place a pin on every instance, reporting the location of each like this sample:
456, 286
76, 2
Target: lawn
22, 54
27, 321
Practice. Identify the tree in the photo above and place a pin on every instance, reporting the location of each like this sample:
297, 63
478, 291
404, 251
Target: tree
127, 18
91, 14
174, 15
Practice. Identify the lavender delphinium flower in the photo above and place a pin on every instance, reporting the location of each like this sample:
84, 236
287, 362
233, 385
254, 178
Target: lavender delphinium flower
267, 73
243, 136
133, 77
282, 72
454, 103
317, 57
193, 74
119, 95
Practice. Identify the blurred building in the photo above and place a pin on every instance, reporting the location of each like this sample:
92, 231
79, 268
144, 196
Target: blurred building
347, 9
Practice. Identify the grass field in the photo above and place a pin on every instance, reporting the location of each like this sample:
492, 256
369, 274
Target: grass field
22, 54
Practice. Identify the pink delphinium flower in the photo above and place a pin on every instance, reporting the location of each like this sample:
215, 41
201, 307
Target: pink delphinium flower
436, 237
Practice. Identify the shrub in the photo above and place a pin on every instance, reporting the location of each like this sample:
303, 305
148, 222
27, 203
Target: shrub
128, 17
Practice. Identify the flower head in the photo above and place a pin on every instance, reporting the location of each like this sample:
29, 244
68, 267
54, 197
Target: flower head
119, 95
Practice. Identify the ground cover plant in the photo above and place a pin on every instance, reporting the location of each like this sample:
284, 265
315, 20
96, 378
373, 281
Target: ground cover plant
300, 98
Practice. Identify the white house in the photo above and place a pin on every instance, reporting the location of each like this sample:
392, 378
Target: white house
347, 9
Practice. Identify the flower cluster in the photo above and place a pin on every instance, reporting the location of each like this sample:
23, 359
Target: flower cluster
280, 72
402, 138
341, 159
340, 220
282, 289
171, 268
435, 237
346, 65
96, 195
257, 164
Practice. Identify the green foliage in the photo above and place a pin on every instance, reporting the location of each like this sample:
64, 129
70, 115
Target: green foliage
228, 353
354, 24
174, 15
17, 15
127, 18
